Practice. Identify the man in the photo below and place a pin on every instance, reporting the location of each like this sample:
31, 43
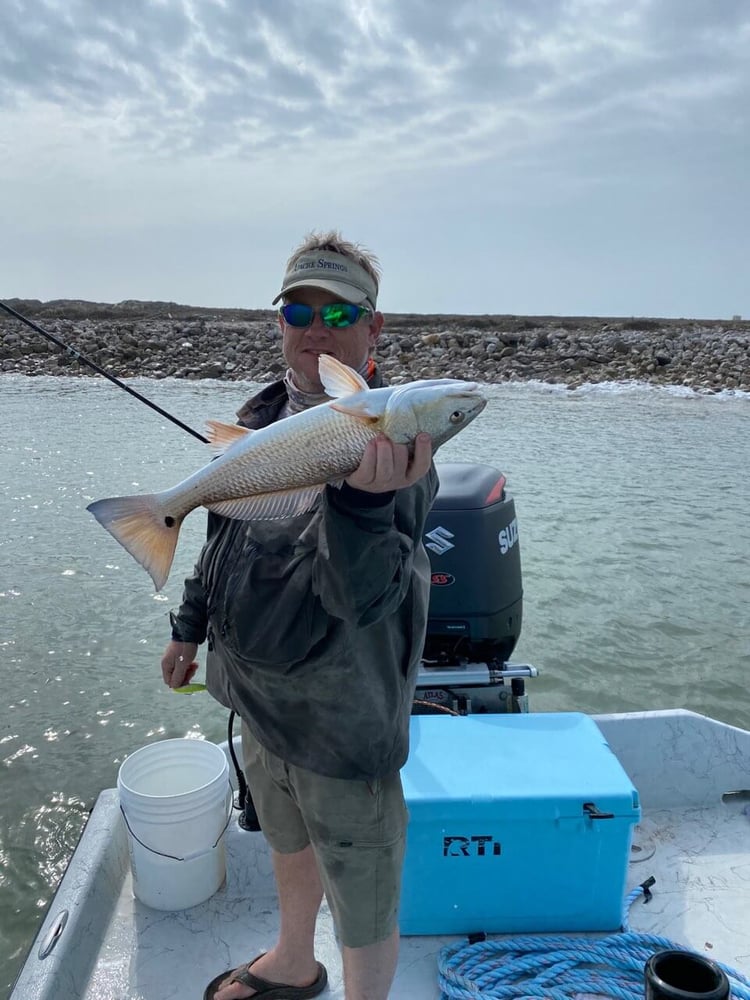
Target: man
315, 627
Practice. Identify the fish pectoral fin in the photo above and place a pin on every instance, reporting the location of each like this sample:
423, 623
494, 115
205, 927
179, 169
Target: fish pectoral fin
358, 409
222, 436
269, 506
339, 379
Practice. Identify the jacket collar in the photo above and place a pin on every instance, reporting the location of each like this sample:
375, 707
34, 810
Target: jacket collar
265, 406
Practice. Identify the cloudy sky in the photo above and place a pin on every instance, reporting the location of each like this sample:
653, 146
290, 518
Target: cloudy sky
573, 157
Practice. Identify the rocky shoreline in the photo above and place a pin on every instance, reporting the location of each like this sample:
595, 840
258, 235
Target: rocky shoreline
164, 339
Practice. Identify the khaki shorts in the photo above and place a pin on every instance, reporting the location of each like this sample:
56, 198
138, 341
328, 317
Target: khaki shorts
357, 830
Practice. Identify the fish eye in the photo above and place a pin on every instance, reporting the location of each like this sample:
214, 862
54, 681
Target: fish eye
456, 417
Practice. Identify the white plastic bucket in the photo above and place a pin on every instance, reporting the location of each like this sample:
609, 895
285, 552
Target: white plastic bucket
176, 799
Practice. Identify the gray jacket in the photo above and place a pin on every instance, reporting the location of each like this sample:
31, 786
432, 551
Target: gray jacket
315, 624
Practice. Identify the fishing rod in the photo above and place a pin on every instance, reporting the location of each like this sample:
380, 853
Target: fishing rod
92, 364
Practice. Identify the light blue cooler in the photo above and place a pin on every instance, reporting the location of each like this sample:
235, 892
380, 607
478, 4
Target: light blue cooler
517, 823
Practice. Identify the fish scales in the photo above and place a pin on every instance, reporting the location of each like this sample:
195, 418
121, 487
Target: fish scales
270, 459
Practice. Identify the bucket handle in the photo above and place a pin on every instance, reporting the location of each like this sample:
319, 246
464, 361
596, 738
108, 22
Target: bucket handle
195, 854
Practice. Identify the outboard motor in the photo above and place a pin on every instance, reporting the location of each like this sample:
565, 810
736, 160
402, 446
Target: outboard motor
476, 597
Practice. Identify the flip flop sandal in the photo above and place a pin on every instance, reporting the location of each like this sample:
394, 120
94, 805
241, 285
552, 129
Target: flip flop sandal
265, 989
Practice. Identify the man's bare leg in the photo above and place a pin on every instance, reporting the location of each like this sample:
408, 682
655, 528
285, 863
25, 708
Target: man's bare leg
292, 960
369, 971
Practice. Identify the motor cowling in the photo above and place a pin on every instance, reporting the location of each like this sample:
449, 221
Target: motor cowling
476, 593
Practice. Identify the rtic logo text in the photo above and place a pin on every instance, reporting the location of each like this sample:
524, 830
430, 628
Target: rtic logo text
508, 537
471, 847
439, 540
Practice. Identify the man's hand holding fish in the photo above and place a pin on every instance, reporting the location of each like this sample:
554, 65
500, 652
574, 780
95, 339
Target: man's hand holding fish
386, 466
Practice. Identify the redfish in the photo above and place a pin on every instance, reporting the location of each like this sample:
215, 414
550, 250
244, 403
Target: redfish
279, 471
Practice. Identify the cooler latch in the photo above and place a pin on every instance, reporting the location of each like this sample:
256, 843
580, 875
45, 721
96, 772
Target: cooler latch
594, 812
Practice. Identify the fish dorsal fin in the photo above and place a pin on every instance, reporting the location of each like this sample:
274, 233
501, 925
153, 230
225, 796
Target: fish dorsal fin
269, 506
339, 379
222, 436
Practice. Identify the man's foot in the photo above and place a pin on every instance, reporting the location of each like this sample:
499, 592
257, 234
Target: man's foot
242, 984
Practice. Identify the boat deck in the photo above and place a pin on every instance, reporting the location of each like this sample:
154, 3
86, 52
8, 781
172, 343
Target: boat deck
694, 838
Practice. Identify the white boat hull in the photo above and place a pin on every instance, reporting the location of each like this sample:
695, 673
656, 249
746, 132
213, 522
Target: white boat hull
692, 774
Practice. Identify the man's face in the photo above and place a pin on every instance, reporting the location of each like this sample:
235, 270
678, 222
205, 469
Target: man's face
302, 347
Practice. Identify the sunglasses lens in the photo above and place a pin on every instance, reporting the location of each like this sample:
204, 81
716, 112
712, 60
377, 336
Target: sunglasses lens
340, 314
297, 314
336, 316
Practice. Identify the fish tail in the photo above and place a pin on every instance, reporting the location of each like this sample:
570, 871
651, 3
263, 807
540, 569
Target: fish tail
142, 526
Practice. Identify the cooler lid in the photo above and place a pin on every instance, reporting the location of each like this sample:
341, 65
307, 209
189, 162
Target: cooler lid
535, 765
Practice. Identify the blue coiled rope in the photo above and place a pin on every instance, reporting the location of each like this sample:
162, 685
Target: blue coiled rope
558, 967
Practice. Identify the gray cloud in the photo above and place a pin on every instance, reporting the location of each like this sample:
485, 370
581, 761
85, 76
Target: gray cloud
476, 113
204, 75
